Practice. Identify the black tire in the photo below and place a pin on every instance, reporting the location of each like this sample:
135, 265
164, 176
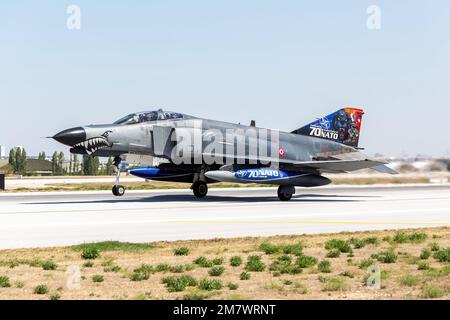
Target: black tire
118, 190
285, 192
200, 189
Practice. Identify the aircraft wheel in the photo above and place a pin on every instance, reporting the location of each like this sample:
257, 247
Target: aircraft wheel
285, 192
200, 189
118, 190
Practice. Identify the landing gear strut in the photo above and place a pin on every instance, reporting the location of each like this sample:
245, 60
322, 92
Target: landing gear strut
117, 190
200, 189
285, 192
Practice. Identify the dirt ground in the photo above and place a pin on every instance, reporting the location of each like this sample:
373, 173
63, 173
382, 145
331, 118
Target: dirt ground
22, 270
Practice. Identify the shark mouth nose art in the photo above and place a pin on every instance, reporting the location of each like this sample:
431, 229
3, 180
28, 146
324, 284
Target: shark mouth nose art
94, 144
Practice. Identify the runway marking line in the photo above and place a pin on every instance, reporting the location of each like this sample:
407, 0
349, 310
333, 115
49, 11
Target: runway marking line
180, 205
319, 222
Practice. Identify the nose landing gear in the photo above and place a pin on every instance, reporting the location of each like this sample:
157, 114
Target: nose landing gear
285, 192
117, 190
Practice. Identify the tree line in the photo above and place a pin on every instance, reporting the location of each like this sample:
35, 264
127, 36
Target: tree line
18, 160
86, 165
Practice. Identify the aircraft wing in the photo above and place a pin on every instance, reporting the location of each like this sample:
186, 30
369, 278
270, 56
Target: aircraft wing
336, 166
328, 166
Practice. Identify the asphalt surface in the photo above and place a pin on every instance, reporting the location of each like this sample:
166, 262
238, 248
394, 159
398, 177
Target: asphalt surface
62, 218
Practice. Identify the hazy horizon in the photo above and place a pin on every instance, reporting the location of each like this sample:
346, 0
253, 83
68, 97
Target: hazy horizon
281, 63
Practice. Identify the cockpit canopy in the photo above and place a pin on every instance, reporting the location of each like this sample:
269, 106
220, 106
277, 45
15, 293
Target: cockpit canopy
147, 116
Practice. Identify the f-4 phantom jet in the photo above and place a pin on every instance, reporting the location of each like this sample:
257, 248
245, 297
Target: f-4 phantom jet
201, 151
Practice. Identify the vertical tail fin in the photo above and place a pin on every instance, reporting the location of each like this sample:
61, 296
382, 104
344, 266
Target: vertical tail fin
343, 126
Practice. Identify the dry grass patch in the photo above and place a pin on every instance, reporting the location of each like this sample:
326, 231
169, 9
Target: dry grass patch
335, 284
285, 267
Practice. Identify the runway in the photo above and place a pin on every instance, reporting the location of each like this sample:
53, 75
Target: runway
62, 218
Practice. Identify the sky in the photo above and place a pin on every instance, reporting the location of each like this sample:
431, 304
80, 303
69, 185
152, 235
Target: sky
281, 63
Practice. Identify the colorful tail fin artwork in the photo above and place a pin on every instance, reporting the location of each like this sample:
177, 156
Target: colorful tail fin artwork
343, 126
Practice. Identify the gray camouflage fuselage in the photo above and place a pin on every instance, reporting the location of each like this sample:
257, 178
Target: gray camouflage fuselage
139, 139
160, 133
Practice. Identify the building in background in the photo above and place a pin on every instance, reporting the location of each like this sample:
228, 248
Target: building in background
33, 167
2, 152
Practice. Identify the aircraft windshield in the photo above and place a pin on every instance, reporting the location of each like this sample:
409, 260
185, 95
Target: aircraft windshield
148, 116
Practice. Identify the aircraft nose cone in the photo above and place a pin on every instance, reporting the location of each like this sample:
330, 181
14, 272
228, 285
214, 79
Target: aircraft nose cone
71, 136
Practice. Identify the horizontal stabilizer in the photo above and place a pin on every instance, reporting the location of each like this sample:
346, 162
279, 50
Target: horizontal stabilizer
384, 169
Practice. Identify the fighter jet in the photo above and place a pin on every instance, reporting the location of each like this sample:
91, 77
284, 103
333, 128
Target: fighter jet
202, 151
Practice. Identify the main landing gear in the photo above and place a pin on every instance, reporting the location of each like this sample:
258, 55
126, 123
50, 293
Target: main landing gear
200, 189
285, 192
117, 190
